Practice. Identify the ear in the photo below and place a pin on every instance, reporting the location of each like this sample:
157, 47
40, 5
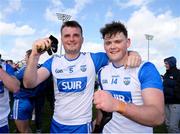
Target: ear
128, 42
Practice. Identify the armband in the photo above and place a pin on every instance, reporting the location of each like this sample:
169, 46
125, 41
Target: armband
122, 107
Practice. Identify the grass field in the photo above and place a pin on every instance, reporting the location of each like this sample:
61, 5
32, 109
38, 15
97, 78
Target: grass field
47, 119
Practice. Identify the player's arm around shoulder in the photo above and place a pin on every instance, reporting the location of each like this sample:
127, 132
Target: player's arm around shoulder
133, 60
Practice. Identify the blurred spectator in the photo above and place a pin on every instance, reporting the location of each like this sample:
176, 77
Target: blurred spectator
172, 95
10, 62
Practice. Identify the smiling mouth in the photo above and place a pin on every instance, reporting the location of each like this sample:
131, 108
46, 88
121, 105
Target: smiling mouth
72, 44
113, 52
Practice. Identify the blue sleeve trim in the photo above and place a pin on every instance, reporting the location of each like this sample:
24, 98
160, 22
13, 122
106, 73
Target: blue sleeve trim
47, 64
149, 77
99, 59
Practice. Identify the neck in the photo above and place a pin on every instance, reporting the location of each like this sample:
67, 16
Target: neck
122, 61
72, 56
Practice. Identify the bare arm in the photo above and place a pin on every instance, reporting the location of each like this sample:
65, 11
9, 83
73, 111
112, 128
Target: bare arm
151, 113
10, 82
32, 75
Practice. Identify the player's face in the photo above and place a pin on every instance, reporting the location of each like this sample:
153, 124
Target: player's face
72, 40
116, 47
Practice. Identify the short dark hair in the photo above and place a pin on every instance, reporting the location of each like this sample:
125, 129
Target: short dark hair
72, 23
28, 52
11, 61
113, 28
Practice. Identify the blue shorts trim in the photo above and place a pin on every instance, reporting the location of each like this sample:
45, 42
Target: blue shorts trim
60, 128
23, 108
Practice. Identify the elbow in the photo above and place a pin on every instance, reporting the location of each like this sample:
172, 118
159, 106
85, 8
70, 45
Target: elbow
159, 120
27, 84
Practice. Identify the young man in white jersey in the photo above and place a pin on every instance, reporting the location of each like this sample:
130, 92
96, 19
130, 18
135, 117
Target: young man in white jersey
134, 95
7, 83
74, 76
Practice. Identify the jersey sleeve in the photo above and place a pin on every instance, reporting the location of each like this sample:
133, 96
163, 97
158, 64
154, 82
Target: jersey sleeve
20, 73
47, 64
9, 69
149, 77
99, 59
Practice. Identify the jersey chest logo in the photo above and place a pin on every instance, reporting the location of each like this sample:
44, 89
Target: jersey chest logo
83, 68
72, 84
127, 80
124, 96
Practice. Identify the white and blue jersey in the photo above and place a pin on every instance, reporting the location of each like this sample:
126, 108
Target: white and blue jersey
4, 97
127, 85
74, 86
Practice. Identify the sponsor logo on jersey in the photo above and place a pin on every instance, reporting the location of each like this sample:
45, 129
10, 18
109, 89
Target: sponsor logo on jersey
124, 96
58, 71
104, 81
72, 84
127, 80
83, 68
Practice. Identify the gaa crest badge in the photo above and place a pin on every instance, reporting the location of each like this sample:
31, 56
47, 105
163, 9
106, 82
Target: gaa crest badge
83, 68
127, 80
